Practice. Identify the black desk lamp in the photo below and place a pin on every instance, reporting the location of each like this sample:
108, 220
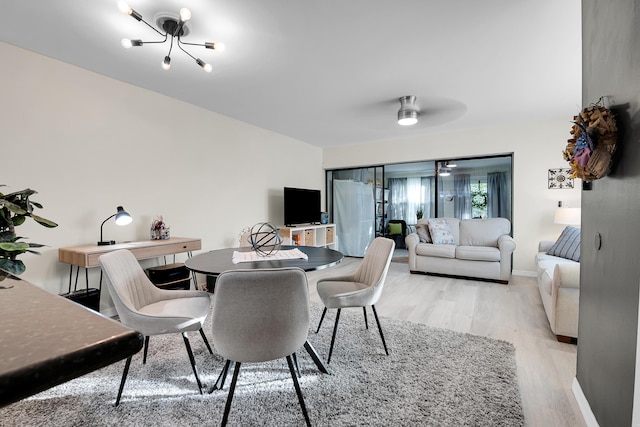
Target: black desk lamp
122, 218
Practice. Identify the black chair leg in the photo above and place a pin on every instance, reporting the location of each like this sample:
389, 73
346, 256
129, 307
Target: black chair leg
146, 348
192, 360
298, 391
124, 378
295, 362
366, 324
206, 341
333, 337
232, 388
380, 329
321, 319
222, 377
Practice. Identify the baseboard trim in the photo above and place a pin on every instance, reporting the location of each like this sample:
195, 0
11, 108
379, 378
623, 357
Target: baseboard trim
524, 273
583, 404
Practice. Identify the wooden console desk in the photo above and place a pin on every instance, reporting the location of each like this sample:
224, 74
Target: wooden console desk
87, 256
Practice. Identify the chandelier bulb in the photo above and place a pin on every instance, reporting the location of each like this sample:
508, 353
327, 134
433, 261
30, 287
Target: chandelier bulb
124, 7
204, 65
166, 64
185, 14
214, 46
127, 44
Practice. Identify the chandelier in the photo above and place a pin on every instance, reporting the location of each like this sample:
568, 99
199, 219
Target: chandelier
174, 28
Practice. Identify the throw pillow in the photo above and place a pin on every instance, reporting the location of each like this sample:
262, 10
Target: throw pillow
568, 244
423, 233
395, 228
441, 232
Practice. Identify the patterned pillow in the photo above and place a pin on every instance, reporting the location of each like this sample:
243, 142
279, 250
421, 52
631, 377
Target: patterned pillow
568, 244
423, 233
441, 232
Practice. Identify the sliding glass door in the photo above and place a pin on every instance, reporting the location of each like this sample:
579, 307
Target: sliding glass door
363, 201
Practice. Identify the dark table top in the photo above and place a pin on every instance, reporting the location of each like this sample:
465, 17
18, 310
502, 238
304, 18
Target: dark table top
217, 261
47, 339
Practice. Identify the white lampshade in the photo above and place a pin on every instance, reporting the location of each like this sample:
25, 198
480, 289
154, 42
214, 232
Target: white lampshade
567, 216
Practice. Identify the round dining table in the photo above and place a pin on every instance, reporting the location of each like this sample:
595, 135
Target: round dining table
220, 260
216, 262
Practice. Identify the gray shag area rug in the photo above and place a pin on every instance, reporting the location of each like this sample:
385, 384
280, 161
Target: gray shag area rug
432, 377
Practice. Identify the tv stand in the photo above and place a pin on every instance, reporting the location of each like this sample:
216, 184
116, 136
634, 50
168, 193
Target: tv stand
319, 235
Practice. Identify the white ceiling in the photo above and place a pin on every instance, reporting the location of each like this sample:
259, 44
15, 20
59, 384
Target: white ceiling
330, 72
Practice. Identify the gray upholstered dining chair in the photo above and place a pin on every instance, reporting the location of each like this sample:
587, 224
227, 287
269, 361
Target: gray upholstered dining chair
359, 289
152, 311
260, 315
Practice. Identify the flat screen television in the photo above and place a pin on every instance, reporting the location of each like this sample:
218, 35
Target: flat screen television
301, 206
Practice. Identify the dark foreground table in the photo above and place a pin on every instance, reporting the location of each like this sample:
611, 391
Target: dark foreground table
47, 340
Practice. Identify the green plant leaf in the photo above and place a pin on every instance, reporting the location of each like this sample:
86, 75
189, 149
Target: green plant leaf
14, 246
19, 220
13, 266
22, 193
43, 221
16, 209
7, 236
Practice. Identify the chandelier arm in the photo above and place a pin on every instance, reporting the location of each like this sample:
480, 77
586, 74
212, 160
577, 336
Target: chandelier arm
182, 49
157, 41
170, 46
154, 29
194, 44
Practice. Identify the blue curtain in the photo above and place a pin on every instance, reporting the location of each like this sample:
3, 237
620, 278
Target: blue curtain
428, 190
462, 200
498, 195
397, 198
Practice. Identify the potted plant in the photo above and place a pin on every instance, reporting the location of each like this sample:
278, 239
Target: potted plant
420, 212
15, 208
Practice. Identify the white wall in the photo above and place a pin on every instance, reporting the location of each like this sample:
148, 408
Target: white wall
537, 148
88, 143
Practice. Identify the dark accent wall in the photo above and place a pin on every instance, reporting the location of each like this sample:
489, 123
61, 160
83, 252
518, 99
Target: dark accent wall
610, 276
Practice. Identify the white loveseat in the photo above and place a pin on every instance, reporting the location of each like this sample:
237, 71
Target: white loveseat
559, 286
482, 249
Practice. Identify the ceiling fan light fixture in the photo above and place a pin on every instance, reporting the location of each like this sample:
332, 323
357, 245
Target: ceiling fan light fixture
444, 171
408, 112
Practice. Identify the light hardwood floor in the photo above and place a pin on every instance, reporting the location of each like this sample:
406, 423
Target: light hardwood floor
512, 313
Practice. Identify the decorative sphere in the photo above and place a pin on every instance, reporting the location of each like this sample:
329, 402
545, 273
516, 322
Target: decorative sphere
265, 239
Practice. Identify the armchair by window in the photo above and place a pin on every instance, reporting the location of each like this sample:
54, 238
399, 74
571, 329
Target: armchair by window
397, 231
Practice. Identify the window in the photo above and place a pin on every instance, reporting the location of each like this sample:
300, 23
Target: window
479, 200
